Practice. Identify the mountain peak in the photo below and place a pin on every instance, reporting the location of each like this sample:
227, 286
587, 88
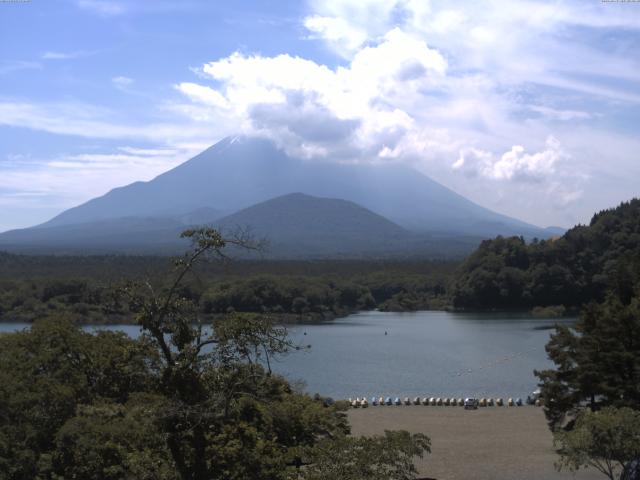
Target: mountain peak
241, 171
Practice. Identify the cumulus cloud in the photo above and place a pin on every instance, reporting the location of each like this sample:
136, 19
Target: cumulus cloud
346, 111
476, 85
514, 164
344, 36
203, 94
435, 84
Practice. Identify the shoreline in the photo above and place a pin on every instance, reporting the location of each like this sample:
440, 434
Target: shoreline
326, 317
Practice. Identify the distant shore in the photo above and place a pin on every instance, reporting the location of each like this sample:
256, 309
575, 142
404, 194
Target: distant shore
320, 317
505, 443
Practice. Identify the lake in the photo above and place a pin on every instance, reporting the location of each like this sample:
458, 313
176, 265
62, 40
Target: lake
423, 353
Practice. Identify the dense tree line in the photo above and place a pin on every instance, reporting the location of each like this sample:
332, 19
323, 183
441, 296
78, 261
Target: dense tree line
577, 268
597, 360
592, 396
504, 273
179, 403
315, 290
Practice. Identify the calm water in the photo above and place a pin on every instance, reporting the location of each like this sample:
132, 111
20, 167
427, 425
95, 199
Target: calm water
423, 353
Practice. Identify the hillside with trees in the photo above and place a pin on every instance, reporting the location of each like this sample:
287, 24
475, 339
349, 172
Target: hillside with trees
572, 270
178, 403
86, 288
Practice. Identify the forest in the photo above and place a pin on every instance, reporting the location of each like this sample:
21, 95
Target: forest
177, 403
87, 288
506, 273
572, 270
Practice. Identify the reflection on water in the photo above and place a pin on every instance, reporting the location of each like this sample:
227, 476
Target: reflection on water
422, 353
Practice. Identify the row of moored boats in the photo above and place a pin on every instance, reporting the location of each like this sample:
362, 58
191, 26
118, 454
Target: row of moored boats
359, 402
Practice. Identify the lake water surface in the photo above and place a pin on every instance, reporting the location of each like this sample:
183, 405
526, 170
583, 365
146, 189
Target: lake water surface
423, 353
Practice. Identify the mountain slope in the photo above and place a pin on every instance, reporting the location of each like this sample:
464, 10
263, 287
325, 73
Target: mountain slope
298, 224
294, 225
239, 172
110, 235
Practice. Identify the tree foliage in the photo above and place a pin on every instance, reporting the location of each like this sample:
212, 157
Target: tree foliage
184, 401
575, 269
291, 291
348, 458
597, 361
607, 440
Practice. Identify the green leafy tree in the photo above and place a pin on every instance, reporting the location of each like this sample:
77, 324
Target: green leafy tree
607, 440
47, 372
597, 363
390, 456
184, 401
580, 267
113, 441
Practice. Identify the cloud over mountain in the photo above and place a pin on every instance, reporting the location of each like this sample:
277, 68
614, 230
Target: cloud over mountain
473, 89
432, 84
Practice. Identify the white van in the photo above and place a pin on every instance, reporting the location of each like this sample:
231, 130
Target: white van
470, 403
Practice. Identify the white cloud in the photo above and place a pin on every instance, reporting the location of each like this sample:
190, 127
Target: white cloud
355, 110
159, 152
88, 121
203, 94
121, 82
514, 164
343, 35
423, 82
428, 82
52, 55
41, 188
558, 114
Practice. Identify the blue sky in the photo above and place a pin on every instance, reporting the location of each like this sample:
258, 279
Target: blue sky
530, 108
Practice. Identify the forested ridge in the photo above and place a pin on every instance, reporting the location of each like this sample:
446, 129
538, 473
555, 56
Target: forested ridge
503, 273
572, 270
87, 287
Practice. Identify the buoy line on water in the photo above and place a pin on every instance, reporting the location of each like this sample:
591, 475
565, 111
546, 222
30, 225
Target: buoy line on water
491, 364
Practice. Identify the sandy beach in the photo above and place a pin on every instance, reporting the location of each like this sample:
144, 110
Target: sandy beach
492, 443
